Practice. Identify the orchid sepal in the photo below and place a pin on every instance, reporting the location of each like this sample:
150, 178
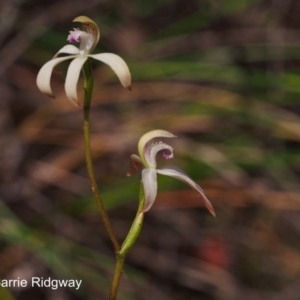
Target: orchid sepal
72, 78
179, 174
149, 178
67, 49
118, 65
44, 75
135, 165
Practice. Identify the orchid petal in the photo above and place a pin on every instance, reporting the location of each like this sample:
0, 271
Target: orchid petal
118, 65
135, 165
44, 75
177, 173
149, 136
72, 78
68, 49
149, 178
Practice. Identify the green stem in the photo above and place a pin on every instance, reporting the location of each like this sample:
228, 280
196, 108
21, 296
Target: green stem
117, 276
88, 89
127, 244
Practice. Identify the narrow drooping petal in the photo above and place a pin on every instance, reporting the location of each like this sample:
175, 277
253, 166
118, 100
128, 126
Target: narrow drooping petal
72, 78
149, 178
135, 165
179, 174
147, 137
44, 75
68, 49
118, 65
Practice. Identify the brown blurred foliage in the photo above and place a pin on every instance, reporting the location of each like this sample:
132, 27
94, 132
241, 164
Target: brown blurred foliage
224, 77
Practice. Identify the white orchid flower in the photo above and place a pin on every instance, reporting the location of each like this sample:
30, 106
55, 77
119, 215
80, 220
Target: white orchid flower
148, 148
88, 39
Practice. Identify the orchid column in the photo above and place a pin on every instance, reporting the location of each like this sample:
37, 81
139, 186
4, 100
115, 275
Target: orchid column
88, 39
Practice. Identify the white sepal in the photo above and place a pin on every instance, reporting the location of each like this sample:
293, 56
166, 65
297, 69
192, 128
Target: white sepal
68, 49
177, 173
149, 178
72, 78
118, 65
44, 75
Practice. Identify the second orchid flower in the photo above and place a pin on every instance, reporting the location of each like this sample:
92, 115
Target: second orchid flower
148, 147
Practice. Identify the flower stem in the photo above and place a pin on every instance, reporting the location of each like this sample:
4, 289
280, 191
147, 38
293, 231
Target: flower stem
88, 89
117, 276
127, 244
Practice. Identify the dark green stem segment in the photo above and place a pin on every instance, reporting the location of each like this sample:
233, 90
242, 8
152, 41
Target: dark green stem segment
88, 89
128, 243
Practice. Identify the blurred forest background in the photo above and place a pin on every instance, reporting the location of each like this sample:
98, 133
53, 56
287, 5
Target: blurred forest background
224, 76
